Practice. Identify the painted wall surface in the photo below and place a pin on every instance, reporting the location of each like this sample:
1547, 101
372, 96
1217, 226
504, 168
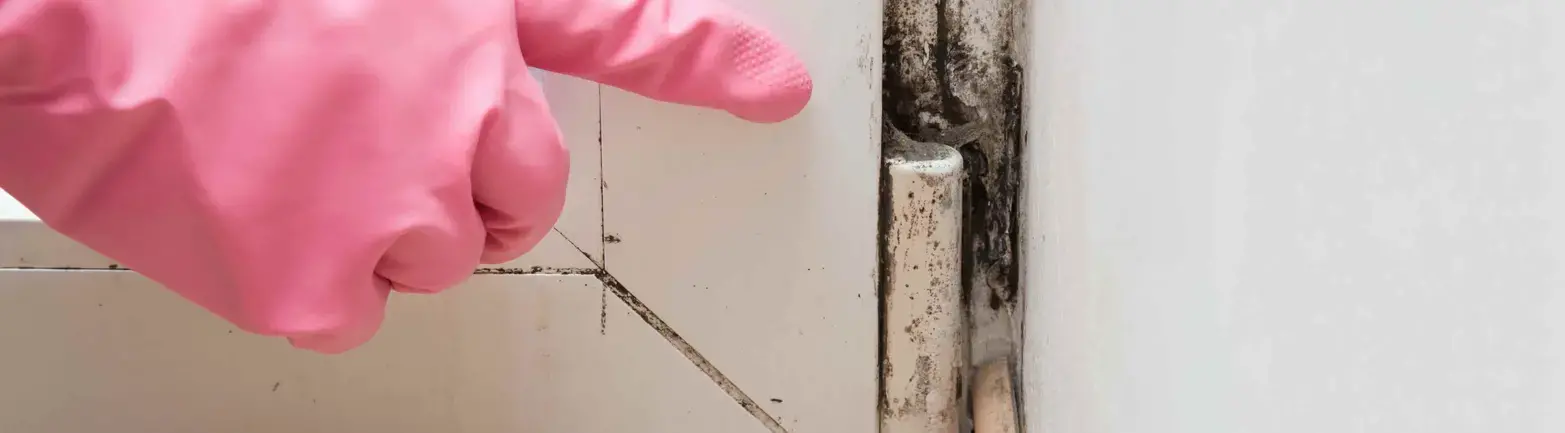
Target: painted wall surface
1296, 216
755, 243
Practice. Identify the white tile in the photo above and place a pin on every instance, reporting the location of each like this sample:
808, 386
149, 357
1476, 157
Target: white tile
94, 351
758, 242
10, 209
26, 242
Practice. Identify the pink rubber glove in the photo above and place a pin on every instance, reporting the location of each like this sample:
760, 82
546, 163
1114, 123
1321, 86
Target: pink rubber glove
287, 164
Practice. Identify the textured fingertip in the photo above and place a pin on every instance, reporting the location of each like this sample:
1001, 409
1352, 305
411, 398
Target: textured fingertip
779, 84
337, 340
498, 255
340, 332
504, 245
326, 344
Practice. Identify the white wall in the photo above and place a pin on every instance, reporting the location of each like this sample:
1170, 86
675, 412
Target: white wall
1296, 216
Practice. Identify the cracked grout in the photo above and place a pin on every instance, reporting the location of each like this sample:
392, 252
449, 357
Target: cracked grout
684, 347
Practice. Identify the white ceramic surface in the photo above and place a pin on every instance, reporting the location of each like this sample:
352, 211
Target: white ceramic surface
1296, 216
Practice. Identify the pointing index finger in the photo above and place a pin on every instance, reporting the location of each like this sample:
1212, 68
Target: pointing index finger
693, 52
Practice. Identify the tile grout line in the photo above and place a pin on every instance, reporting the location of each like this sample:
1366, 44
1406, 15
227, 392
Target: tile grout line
63, 268
701, 363
603, 186
603, 223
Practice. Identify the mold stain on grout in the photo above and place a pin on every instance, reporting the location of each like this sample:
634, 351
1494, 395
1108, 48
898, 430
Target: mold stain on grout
603, 223
110, 268
535, 270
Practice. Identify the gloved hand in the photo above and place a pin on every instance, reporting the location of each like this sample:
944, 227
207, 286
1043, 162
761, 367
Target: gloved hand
287, 164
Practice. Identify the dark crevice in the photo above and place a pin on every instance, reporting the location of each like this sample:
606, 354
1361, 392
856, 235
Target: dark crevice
885, 262
941, 62
1015, 132
974, 198
950, 63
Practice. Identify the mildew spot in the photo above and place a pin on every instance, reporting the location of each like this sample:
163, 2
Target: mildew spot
535, 270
